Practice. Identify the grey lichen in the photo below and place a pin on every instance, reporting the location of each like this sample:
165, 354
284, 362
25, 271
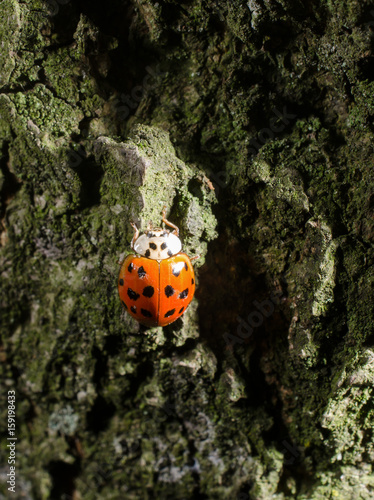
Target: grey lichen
64, 420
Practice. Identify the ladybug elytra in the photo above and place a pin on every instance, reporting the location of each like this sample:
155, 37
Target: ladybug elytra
157, 284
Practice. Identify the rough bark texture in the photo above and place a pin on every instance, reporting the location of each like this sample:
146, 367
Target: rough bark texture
253, 122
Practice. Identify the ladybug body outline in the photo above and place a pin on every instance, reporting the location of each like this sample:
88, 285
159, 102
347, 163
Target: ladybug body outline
157, 283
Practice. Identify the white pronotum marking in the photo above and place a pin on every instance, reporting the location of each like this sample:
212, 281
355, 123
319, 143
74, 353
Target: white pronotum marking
158, 244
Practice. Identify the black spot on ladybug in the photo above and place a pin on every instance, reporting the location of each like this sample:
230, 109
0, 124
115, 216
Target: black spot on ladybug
146, 313
121, 282
169, 313
148, 291
181, 310
183, 294
133, 309
164, 245
124, 305
131, 267
141, 272
185, 266
153, 246
133, 295
170, 253
169, 291
147, 253
192, 281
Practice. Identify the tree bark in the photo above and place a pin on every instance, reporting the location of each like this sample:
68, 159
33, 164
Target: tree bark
253, 123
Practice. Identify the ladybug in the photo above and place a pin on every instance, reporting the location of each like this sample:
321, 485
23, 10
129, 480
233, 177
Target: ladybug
157, 284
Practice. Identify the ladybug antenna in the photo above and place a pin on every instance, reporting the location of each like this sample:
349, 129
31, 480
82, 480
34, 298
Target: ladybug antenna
165, 221
136, 235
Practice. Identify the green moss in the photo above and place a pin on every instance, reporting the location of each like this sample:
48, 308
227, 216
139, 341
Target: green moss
37, 108
10, 20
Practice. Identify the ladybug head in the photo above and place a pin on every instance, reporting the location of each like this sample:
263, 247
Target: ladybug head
157, 244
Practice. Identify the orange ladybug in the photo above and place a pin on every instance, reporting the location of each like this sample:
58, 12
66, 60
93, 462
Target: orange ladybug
158, 283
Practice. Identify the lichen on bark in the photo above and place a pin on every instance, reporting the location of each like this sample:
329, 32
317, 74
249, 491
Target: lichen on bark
252, 123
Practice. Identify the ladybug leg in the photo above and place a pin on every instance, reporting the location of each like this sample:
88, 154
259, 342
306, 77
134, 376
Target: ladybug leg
176, 228
195, 257
136, 235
